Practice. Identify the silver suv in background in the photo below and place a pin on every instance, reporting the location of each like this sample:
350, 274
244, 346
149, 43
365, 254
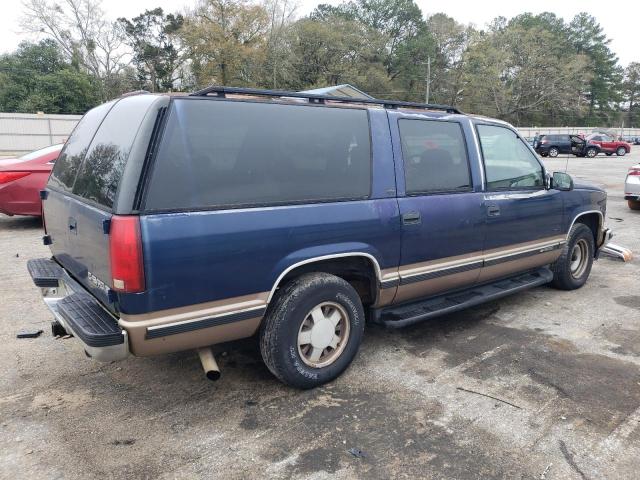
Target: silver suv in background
632, 187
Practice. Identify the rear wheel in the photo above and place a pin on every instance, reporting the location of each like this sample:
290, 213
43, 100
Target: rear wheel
573, 267
553, 152
634, 204
312, 331
621, 151
592, 152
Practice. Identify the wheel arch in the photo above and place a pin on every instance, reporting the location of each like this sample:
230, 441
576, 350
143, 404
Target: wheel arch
360, 269
594, 219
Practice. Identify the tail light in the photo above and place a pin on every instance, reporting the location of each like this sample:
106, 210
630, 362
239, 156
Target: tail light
125, 250
634, 171
6, 177
543, 141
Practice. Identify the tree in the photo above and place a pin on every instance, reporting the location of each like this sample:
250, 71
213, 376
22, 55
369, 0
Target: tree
225, 41
85, 37
37, 78
523, 75
400, 22
278, 66
451, 42
157, 57
339, 51
632, 92
587, 37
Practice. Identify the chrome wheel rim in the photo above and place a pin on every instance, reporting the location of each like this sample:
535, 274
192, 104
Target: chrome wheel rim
579, 258
323, 334
553, 152
591, 153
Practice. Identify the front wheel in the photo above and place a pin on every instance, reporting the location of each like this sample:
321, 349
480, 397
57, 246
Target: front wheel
572, 268
621, 151
591, 152
312, 331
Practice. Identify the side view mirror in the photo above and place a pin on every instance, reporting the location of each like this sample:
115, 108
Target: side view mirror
561, 181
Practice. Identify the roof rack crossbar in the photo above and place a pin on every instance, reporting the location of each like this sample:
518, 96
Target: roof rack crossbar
221, 91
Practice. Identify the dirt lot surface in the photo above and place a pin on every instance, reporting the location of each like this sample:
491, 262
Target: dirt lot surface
563, 369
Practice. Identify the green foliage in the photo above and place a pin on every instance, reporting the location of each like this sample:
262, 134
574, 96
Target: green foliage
156, 56
530, 69
37, 78
587, 37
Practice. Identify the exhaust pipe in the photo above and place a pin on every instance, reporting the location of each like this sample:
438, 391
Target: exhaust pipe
209, 364
617, 251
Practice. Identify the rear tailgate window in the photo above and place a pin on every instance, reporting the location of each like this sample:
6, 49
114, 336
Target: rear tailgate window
100, 174
92, 162
66, 168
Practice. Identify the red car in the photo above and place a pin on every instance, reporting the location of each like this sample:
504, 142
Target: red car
610, 145
21, 180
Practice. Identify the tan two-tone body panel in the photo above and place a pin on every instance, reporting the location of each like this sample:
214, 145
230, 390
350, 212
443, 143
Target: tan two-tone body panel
437, 276
194, 326
235, 318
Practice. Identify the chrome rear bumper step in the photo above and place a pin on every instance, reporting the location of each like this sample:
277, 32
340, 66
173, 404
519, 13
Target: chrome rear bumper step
44, 272
89, 321
78, 312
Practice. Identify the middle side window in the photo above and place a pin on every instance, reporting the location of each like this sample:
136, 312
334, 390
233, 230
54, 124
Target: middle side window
435, 156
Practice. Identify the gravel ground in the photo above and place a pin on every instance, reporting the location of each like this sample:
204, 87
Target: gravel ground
543, 384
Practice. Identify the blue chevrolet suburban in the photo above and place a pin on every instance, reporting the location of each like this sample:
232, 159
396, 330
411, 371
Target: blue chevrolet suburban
180, 222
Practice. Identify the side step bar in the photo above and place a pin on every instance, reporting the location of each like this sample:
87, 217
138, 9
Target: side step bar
407, 314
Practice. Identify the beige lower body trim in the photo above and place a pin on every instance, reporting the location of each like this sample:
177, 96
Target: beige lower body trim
434, 286
482, 273
504, 269
142, 347
137, 325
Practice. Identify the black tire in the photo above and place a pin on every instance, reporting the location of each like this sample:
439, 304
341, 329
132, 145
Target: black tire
564, 277
621, 151
282, 325
634, 204
592, 152
553, 152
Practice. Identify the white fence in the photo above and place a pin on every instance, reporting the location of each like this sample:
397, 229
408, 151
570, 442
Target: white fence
532, 131
25, 132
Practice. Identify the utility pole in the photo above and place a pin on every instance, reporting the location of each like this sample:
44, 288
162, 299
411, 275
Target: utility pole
426, 97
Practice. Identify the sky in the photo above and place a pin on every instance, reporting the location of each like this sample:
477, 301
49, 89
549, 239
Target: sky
620, 22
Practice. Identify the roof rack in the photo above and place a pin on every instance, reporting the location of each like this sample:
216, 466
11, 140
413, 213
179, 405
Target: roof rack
221, 92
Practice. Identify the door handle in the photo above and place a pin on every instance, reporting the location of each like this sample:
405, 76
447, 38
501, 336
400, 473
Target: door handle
493, 210
411, 218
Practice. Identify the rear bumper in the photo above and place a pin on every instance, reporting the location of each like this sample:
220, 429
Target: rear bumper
79, 313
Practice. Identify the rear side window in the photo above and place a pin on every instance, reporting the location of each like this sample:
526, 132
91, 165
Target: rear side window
66, 167
225, 153
435, 156
508, 162
105, 160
